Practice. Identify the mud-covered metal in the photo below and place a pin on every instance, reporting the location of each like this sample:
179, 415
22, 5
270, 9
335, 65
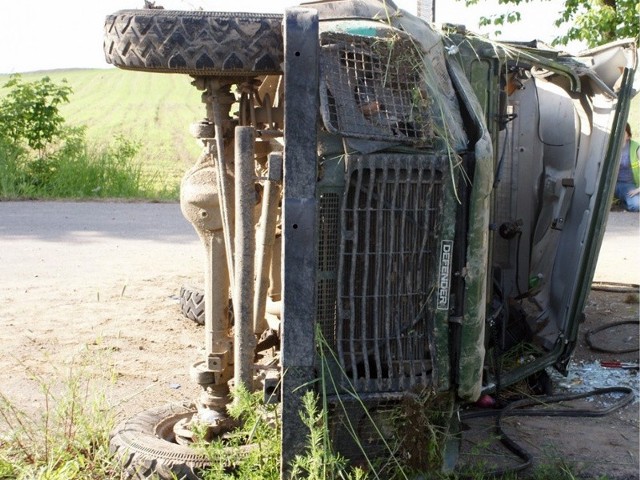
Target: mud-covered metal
299, 224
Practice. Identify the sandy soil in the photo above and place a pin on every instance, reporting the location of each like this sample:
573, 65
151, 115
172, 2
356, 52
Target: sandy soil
93, 287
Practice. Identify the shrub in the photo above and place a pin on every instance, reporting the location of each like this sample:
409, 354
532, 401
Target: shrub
41, 157
29, 113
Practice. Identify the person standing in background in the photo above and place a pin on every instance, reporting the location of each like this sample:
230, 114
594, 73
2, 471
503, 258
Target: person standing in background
627, 190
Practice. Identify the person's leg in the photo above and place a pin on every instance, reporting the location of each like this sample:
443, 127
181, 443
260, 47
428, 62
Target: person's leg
633, 203
620, 191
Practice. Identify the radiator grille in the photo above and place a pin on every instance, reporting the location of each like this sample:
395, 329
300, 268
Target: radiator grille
374, 88
389, 228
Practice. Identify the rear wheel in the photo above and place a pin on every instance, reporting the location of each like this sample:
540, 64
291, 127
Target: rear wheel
156, 444
195, 42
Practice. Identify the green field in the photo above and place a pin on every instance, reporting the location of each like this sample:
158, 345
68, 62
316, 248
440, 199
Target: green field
152, 109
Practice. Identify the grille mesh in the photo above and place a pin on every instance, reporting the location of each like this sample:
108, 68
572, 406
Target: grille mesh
373, 88
329, 231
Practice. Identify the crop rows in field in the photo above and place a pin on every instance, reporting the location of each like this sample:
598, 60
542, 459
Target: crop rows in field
154, 110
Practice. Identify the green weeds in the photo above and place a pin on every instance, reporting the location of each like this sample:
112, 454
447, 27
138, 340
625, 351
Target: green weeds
320, 462
42, 157
76, 170
67, 439
251, 451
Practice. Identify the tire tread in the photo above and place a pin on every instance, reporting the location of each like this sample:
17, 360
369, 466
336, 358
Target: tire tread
142, 454
192, 304
196, 43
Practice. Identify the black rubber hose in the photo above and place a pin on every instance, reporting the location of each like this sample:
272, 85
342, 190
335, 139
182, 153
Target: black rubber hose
598, 348
617, 288
517, 409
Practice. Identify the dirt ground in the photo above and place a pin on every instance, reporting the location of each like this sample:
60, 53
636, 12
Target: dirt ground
93, 288
594, 447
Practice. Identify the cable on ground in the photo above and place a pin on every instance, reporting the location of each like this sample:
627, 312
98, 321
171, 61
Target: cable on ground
519, 409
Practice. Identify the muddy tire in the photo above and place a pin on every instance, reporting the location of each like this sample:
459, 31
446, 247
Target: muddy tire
192, 304
144, 445
195, 42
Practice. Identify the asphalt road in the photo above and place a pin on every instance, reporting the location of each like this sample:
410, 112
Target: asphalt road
619, 259
95, 240
107, 236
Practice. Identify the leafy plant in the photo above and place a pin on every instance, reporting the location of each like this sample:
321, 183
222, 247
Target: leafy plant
593, 21
11, 168
251, 451
597, 22
42, 157
30, 111
320, 461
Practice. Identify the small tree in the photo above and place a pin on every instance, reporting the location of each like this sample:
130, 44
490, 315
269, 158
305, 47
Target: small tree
29, 112
593, 21
600, 21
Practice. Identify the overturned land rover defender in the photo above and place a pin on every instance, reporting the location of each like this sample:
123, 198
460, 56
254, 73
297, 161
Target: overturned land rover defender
389, 212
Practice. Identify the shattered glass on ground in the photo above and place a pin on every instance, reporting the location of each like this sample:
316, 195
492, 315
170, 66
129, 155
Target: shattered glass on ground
587, 376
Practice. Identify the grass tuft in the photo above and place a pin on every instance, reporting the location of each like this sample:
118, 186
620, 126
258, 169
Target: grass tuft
75, 170
68, 439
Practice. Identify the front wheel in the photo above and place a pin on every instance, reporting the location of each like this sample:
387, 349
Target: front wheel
145, 445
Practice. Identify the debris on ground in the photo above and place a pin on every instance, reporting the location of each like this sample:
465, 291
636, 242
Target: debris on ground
585, 376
